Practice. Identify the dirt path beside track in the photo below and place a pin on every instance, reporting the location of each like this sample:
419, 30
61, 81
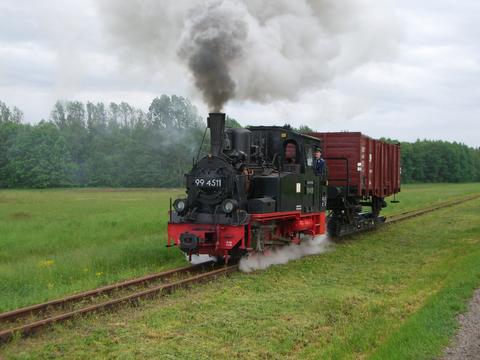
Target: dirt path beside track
467, 342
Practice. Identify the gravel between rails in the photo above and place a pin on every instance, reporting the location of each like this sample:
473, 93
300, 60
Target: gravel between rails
467, 342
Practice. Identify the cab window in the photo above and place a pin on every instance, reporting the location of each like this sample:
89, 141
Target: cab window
291, 153
309, 155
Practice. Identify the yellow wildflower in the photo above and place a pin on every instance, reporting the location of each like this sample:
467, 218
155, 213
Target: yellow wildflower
46, 263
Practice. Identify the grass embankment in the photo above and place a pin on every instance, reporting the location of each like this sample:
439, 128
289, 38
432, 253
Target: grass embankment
391, 293
56, 242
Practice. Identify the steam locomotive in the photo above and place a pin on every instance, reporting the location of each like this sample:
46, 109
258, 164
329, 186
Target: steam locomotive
256, 189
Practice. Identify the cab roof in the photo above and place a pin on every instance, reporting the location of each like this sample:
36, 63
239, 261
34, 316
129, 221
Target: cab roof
285, 128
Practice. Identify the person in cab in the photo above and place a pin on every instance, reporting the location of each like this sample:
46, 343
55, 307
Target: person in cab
319, 164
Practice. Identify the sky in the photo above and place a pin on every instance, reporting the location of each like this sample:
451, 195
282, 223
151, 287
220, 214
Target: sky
428, 88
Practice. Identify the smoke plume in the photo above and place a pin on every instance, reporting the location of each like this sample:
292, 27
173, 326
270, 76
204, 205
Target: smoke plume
214, 39
252, 50
312, 246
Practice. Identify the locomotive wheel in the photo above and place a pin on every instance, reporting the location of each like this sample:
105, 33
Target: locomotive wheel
220, 260
234, 256
332, 227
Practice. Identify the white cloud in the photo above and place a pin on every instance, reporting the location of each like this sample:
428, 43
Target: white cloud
54, 49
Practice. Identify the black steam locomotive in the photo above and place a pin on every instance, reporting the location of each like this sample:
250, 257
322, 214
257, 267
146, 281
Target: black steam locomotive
255, 189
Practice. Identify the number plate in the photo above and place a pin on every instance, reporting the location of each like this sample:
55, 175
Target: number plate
208, 183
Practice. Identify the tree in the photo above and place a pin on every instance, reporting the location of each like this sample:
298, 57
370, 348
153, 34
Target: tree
4, 113
97, 117
304, 129
173, 112
7, 115
159, 112
16, 115
38, 158
232, 123
8, 134
57, 116
438, 161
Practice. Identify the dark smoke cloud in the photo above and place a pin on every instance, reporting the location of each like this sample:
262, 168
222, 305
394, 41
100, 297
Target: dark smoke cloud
254, 50
214, 40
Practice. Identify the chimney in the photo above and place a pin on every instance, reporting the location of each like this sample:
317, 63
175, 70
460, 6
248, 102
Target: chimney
216, 124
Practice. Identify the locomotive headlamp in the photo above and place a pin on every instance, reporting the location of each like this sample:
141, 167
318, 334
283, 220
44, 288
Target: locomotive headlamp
180, 205
229, 205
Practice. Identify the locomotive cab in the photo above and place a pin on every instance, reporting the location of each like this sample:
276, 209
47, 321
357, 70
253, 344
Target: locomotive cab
293, 185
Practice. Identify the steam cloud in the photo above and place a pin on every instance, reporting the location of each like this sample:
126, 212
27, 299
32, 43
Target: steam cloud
252, 50
312, 246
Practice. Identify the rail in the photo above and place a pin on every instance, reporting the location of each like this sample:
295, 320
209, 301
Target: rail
28, 320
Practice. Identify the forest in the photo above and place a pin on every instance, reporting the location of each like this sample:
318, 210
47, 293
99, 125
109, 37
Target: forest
118, 145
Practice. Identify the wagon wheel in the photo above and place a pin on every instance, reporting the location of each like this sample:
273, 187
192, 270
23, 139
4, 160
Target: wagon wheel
377, 205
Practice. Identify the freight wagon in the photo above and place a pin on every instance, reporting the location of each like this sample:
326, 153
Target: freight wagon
361, 172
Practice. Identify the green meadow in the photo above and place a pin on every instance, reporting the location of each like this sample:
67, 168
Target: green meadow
57, 242
393, 293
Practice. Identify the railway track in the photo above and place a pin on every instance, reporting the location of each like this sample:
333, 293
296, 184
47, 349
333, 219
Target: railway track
414, 213
28, 320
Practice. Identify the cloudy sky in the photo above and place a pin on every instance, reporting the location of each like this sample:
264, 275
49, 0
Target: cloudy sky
429, 87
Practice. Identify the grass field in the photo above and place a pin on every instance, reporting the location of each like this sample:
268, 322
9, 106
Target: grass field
56, 242
388, 294
419, 195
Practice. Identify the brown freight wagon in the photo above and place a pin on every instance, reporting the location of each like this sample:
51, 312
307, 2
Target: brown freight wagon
369, 167
361, 172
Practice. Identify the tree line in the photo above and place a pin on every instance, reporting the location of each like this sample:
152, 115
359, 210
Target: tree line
118, 145
115, 145
439, 161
